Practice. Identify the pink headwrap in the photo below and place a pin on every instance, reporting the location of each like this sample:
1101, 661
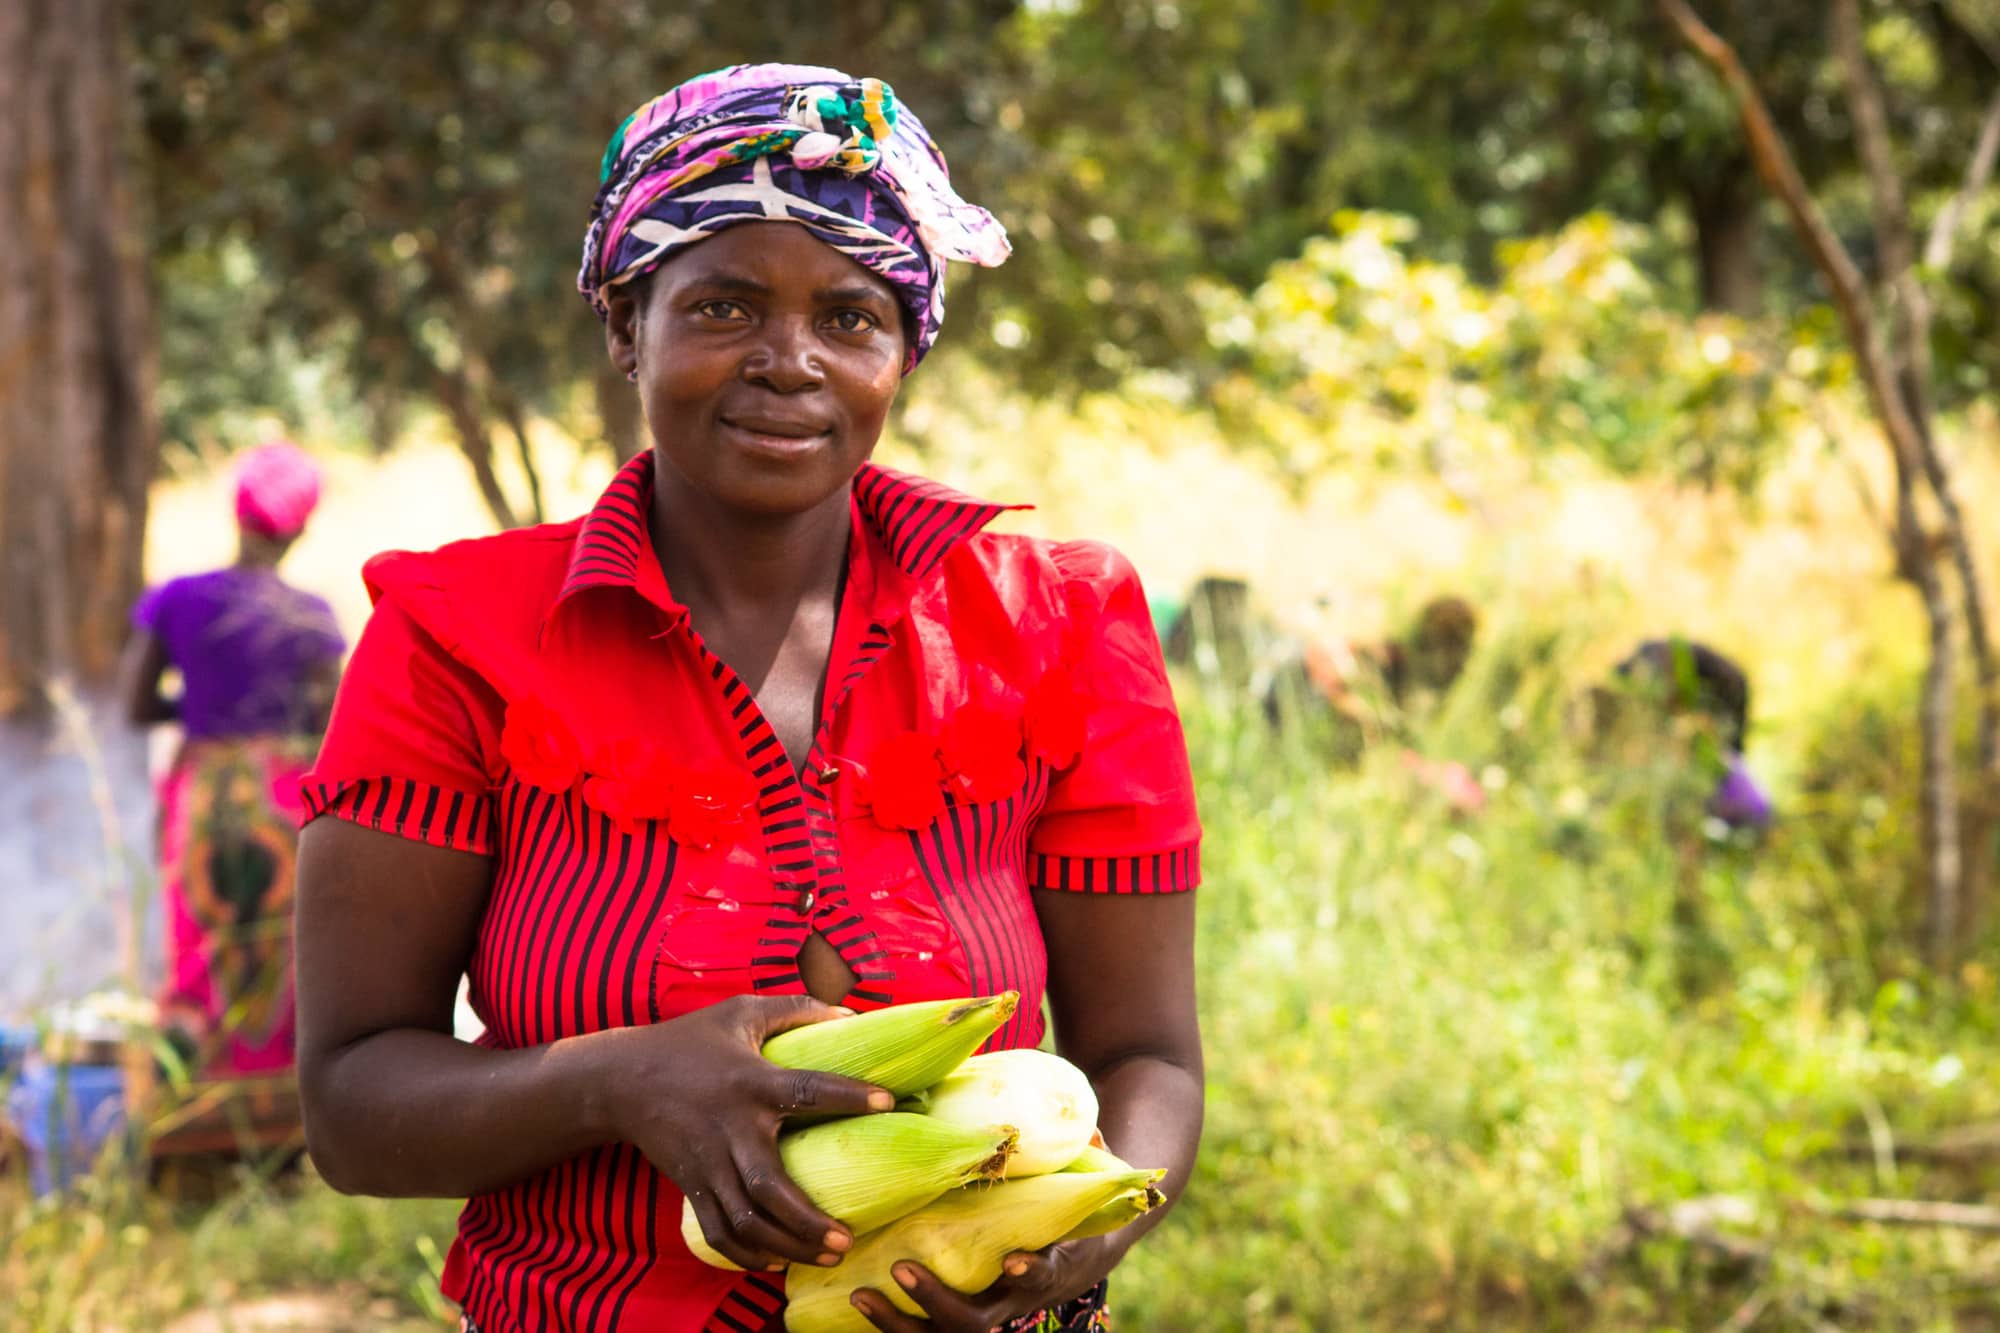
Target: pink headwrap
277, 487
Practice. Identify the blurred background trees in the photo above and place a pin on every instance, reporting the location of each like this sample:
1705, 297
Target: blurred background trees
1347, 231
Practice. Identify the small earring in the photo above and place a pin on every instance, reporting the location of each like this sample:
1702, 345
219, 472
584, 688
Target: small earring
633, 374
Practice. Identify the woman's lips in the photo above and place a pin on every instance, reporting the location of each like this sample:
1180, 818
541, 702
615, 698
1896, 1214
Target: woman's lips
778, 438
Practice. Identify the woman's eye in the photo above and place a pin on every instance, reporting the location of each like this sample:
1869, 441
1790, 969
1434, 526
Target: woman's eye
855, 321
721, 309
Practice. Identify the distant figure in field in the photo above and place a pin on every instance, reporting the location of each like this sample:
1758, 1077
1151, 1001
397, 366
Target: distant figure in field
1688, 678
1366, 687
1217, 631
258, 662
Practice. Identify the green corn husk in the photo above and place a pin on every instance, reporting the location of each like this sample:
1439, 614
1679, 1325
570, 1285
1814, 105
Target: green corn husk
1043, 1095
1119, 1211
962, 1238
1096, 1158
867, 1171
904, 1048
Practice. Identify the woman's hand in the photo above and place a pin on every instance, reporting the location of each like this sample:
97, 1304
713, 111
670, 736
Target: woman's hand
696, 1096
1028, 1282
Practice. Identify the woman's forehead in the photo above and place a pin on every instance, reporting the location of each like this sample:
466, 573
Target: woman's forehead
777, 256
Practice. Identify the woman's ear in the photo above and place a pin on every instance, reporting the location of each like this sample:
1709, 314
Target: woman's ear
621, 329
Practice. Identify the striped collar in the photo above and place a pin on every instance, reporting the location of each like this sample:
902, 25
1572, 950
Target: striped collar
914, 521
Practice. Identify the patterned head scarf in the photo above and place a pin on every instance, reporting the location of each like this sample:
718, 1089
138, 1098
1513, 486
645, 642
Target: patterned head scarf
841, 157
277, 488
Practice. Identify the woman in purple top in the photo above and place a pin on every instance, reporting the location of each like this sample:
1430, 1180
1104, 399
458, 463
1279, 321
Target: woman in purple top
258, 661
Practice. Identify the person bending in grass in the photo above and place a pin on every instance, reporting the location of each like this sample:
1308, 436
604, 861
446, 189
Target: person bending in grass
770, 729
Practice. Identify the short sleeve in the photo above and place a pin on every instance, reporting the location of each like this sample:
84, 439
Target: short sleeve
405, 749
1122, 818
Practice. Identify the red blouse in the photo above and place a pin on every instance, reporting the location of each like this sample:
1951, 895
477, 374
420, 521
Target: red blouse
997, 719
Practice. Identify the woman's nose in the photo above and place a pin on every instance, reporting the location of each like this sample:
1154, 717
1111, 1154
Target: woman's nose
786, 357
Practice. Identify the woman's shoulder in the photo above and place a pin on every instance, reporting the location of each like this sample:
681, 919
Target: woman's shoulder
477, 567
501, 584
1070, 568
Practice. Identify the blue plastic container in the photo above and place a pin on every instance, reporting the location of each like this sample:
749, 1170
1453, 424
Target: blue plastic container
65, 1115
15, 1044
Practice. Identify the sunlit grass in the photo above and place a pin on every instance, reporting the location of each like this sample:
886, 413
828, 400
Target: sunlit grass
1446, 1056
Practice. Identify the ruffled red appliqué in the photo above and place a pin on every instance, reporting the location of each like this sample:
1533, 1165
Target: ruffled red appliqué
539, 746
978, 756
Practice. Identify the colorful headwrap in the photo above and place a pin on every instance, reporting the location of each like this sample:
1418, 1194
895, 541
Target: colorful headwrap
277, 488
841, 157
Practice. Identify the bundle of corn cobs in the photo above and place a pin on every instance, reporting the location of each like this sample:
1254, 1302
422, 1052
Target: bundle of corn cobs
984, 1155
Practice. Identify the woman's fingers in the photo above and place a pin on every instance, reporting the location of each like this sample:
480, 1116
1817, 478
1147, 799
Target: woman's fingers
717, 1227
795, 1092
768, 1015
946, 1311
780, 1199
1030, 1270
876, 1309
757, 1233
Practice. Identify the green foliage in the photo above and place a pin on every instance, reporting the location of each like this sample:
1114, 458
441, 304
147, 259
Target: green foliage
1362, 347
411, 181
1446, 1055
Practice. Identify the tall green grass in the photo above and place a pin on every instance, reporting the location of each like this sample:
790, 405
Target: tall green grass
1448, 1055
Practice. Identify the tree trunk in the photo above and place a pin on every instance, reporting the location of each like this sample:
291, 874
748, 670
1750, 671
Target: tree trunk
1724, 209
1937, 710
1894, 376
618, 409
77, 434
454, 393
517, 422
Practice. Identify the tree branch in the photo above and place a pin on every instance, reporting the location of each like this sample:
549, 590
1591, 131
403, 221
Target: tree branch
1909, 446
1916, 1213
1978, 172
1775, 165
1911, 332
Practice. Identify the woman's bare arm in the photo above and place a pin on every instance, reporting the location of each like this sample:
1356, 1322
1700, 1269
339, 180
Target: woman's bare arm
145, 663
1121, 991
395, 1105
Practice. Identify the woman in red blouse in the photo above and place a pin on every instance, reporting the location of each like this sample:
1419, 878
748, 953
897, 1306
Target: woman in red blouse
770, 730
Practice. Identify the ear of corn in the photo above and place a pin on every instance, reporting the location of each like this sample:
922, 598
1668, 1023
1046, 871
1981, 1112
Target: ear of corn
1044, 1096
869, 1170
1119, 1211
1098, 1158
962, 1238
1125, 1208
903, 1048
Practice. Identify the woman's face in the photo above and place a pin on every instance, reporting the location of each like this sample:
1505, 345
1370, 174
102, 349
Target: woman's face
767, 361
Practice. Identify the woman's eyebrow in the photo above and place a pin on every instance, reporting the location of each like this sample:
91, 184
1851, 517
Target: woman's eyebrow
856, 292
731, 282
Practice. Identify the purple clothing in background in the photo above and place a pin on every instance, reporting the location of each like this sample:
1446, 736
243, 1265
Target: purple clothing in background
246, 643
1737, 800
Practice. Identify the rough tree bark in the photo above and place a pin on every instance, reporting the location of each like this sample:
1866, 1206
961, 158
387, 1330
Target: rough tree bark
77, 434
1894, 368
1723, 205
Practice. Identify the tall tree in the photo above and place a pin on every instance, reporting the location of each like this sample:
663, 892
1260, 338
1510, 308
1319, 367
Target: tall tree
77, 440
1889, 329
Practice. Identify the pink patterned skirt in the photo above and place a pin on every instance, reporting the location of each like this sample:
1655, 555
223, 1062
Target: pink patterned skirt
228, 847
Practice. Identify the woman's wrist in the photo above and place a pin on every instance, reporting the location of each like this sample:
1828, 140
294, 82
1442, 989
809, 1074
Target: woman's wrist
595, 1073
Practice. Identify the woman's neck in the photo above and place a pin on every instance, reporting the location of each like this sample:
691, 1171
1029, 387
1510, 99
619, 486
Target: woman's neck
727, 563
254, 552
